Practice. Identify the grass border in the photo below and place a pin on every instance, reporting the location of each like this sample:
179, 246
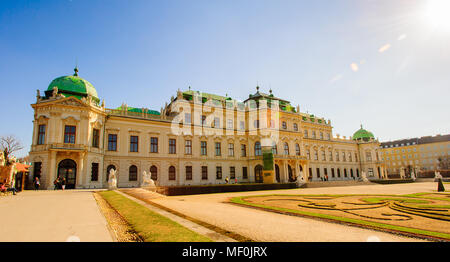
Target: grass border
230, 234
138, 217
407, 231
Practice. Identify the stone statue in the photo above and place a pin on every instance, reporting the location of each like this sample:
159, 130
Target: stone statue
112, 183
55, 92
147, 180
364, 177
300, 179
413, 176
402, 173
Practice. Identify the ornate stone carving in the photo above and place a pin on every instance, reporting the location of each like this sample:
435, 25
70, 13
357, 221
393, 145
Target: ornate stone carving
112, 183
147, 181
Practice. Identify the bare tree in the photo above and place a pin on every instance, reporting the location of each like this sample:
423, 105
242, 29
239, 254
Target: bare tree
9, 145
444, 162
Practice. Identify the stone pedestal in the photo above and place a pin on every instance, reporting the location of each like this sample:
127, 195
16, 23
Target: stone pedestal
268, 176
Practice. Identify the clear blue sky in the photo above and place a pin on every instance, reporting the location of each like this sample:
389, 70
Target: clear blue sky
379, 63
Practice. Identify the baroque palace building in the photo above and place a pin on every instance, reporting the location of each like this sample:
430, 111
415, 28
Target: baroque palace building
196, 138
418, 154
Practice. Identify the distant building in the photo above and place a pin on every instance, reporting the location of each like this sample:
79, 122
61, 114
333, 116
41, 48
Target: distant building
196, 138
421, 154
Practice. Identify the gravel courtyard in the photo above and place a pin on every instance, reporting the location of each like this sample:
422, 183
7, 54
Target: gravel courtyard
267, 226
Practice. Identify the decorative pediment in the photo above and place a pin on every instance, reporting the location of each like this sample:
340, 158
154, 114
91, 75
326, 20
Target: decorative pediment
70, 101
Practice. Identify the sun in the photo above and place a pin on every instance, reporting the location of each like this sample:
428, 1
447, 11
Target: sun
438, 14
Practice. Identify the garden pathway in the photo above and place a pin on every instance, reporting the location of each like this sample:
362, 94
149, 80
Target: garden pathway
57, 216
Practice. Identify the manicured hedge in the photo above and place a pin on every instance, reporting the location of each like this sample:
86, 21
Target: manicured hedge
392, 181
208, 189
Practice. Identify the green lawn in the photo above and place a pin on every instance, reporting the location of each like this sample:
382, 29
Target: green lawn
151, 226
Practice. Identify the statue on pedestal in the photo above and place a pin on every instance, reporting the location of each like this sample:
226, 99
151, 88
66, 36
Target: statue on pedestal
147, 181
402, 173
364, 177
413, 176
300, 179
112, 183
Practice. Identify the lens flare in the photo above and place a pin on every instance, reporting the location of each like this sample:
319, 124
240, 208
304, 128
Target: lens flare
438, 14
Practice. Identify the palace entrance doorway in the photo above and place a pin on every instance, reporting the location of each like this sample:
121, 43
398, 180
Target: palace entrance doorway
258, 174
68, 169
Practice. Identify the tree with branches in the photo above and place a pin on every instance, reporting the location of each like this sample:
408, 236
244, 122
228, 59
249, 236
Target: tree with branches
9, 145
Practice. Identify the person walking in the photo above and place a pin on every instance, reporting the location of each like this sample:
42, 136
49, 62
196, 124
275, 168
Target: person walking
63, 183
56, 183
37, 183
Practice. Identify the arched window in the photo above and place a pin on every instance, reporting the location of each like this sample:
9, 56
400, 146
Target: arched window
274, 149
171, 173
286, 148
132, 174
297, 149
108, 169
258, 149
154, 172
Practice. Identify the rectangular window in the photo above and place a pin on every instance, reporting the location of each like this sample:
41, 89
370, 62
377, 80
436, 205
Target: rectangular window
230, 149
188, 147
204, 173
95, 137
318, 172
112, 142
218, 149
188, 172
69, 134
41, 135
369, 156
256, 124
203, 150
232, 172
218, 172
187, 118
230, 123
284, 125
216, 122
305, 133
172, 146
313, 134
243, 151
134, 143
321, 135
154, 145
242, 125
94, 172
244, 172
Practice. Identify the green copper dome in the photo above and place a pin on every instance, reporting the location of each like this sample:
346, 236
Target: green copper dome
363, 134
73, 86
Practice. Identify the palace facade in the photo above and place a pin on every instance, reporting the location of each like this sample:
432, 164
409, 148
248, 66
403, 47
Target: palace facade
195, 138
415, 154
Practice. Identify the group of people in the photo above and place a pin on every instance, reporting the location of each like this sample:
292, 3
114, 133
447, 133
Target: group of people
60, 183
4, 189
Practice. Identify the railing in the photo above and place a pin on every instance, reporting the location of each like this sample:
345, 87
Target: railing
67, 146
117, 112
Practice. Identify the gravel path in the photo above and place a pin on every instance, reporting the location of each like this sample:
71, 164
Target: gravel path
267, 226
57, 216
